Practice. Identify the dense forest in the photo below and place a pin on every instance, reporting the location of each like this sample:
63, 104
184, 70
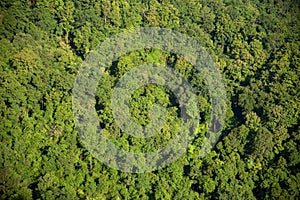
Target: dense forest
255, 45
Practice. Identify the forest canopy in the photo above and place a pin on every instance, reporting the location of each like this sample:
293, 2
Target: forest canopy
255, 45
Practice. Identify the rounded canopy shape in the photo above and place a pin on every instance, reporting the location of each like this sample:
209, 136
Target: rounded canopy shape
110, 50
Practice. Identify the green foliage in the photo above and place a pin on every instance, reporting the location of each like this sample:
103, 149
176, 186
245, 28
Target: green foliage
255, 45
